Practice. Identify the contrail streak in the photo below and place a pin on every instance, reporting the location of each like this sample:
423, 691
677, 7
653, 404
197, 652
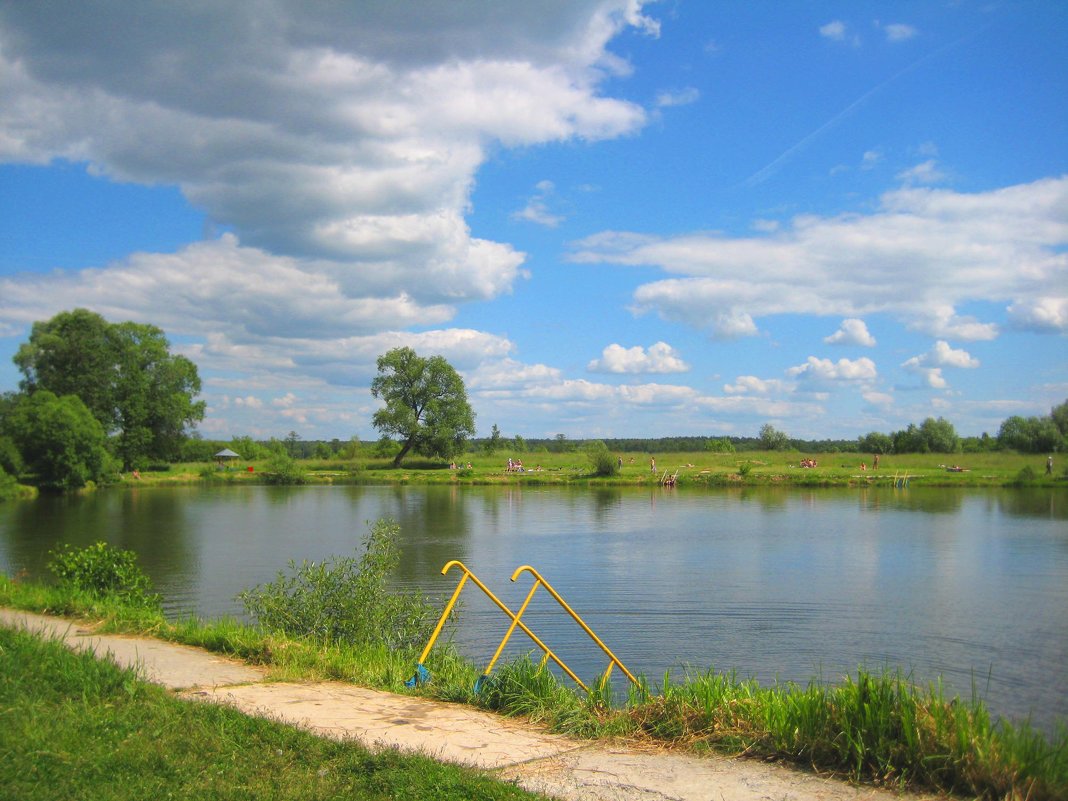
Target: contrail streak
772, 167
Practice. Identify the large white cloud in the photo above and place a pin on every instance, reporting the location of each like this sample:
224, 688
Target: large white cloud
337, 142
920, 257
659, 358
344, 136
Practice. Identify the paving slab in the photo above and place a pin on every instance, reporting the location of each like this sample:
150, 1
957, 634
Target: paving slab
626, 773
170, 664
449, 732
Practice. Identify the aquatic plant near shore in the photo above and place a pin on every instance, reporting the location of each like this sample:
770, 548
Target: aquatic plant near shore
345, 599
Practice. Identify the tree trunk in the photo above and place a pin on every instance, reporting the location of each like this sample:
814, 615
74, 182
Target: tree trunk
403, 452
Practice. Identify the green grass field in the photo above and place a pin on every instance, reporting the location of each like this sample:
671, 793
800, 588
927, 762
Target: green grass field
694, 469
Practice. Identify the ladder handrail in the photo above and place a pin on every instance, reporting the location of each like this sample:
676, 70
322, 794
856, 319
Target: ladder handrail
540, 580
467, 574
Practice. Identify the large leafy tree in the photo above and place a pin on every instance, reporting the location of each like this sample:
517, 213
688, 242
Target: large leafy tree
124, 373
771, 439
60, 439
426, 404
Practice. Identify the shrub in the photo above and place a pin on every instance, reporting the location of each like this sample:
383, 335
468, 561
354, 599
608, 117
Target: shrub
283, 469
102, 571
602, 462
1025, 476
8, 486
345, 599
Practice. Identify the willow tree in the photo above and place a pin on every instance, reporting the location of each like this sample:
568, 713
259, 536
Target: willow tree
426, 404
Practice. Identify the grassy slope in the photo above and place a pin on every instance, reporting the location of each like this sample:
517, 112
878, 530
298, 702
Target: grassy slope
75, 727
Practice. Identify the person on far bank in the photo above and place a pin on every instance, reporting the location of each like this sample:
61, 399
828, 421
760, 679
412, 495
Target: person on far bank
1049, 465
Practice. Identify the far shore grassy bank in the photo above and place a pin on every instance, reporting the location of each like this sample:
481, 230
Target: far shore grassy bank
693, 470
872, 727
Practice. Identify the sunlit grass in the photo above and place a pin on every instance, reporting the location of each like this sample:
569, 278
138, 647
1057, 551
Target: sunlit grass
72, 726
692, 469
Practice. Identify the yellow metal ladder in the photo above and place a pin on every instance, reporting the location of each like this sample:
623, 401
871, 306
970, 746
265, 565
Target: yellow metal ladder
422, 675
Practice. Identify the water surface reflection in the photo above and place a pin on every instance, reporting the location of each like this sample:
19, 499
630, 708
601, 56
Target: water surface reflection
775, 583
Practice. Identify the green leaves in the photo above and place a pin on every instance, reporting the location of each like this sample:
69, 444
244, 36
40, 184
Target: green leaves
345, 599
61, 441
102, 571
125, 375
426, 404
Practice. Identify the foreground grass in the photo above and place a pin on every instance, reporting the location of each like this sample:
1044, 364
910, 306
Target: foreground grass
870, 728
72, 726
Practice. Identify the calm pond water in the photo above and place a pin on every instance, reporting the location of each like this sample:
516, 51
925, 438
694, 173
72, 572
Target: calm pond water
787, 584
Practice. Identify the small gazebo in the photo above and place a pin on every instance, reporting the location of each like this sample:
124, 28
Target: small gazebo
225, 455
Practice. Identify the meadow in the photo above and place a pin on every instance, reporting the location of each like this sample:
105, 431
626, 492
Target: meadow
687, 469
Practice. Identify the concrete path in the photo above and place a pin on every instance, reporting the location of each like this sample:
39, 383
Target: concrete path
513, 751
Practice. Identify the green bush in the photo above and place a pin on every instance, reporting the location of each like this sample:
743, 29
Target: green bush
102, 571
1025, 476
283, 469
9, 487
345, 599
601, 459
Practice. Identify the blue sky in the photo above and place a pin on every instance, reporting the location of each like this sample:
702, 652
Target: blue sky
614, 218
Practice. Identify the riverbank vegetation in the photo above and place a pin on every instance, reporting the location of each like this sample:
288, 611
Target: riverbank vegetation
872, 727
105, 402
595, 465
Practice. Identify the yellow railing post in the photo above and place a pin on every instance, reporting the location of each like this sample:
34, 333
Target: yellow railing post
422, 675
511, 628
575, 616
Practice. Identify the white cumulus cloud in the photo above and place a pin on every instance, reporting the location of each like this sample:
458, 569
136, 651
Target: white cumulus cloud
920, 256
659, 358
851, 332
825, 371
929, 365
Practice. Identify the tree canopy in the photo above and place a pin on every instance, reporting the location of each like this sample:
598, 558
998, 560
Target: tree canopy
426, 404
61, 441
125, 375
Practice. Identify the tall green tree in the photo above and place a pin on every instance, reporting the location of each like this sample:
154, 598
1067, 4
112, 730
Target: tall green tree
62, 443
940, 435
875, 442
772, 439
426, 404
495, 441
125, 375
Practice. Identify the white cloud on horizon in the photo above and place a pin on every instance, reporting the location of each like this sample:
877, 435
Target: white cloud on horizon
920, 256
